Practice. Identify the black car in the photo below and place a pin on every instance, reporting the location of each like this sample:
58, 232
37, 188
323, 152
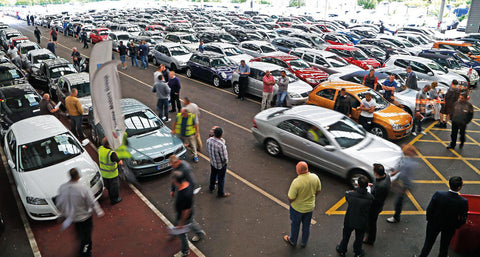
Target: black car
49, 72
216, 36
18, 102
374, 52
10, 74
383, 44
212, 67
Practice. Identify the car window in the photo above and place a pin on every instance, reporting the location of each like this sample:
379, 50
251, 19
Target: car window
213, 49
336, 61
308, 57
401, 63
83, 89
354, 103
346, 132
327, 93
141, 122
419, 67
319, 60
316, 135
267, 49
9, 74
295, 127
22, 103
12, 145
298, 54
253, 73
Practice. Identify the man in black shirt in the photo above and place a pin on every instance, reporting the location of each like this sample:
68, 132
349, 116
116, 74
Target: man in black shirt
46, 106
462, 114
122, 51
380, 190
342, 103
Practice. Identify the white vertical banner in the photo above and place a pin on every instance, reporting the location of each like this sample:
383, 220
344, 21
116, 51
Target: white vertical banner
106, 95
100, 54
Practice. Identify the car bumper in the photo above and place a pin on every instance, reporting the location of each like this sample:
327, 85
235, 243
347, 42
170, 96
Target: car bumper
399, 134
258, 136
154, 169
297, 101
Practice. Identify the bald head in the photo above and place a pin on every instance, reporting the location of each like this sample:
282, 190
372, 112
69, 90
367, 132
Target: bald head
302, 168
46, 97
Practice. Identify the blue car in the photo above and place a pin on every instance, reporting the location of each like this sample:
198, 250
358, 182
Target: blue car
212, 67
352, 36
460, 57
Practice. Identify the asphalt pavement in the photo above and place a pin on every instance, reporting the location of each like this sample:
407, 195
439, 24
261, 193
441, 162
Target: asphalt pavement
253, 220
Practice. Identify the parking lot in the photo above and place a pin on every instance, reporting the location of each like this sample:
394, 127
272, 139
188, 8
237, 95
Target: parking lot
253, 220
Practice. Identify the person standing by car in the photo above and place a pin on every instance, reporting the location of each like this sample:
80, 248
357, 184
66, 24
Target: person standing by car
420, 107
163, 93
462, 114
84, 39
108, 161
37, 34
267, 91
51, 46
389, 87
200, 47
282, 88
15, 56
75, 202
217, 150
451, 98
370, 80
342, 103
122, 51
301, 195
46, 106
53, 35
411, 81
28, 20
244, 71
446, 212
32, 20
356, 218
143, 50
186, 129
74, 109
380, 191
133, 50
367, 106
76, 57
404, 183
175, 86
435, 97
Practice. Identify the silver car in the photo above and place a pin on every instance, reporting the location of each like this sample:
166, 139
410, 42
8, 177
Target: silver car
298, 90
117, 36
326, 139
174, 55
230, 51
259, 48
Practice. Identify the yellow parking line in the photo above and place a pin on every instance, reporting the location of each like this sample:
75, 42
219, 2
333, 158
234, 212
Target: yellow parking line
469, 131
414, 201
385, 213
476, 123
436, 141
428, 182
333, 209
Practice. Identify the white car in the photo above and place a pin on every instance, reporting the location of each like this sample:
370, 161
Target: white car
230, 51
259, 48
40, 162
324, 60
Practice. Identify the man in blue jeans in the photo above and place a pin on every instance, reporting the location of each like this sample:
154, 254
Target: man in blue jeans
163, 92
301, 195
143, 50
282, 89
217, 150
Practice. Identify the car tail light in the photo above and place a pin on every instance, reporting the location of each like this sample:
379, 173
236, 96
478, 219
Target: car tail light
255, 124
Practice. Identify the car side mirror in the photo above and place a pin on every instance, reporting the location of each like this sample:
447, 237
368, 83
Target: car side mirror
326, 65
11, 164
430, 73
350, 58
330, 148
85, 142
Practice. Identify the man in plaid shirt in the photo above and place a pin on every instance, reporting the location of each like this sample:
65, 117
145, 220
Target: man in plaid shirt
218, 161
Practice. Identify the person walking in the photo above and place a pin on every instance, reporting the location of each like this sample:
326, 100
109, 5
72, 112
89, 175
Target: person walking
193, 108
267, 91
163, 92
435, 94
122, 51
133, 50
282, 88
411, 81
32, 20
38, 34
446, 212
186, 128
178, 164
65, 25
404, 183
356, 218
217, 150
343, 104
84, 39
370, 80
108, 161
301, 195
75, 110
51, 46
75, 202
175, 86
46, 106
28, 20
380, 191
462, 114
53, 35
76, 57
367, 106
143, 50
451, 98
420, 107
77, 31
244, 71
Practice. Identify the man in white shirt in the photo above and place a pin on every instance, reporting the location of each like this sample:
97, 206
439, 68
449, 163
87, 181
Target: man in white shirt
367, 107
75, 201
193, 108
15, 55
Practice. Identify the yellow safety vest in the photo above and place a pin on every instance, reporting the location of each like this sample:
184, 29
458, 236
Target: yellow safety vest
190, 129
122, 151
108, 169
314, 135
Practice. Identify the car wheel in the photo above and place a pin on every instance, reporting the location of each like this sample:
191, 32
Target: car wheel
272, 147
236, 88
353, 176
154, 61
189, 73
95, 138
173, 67
216, 81
378, 130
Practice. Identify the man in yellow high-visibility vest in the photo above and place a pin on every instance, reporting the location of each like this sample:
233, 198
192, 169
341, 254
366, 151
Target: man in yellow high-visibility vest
108, 161
186, 129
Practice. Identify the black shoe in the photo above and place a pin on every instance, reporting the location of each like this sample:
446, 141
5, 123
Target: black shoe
339, 251
461, 146
172, 111
439, 125
119, 199
367, 242
450, 147
243, 99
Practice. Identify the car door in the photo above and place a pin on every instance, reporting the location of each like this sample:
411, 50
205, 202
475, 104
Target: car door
255, 82
10, 149
326, 98
164, 55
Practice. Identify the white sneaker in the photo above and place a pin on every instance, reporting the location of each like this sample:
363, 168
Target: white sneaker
423, 133
414, 134
180, 254
392, 220
168, 120
198, 237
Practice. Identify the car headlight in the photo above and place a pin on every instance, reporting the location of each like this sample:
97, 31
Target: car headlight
294, 95
139, 162
396, 126
223, 75
36, 201
85, 110
95, 179
310, 80
179, 150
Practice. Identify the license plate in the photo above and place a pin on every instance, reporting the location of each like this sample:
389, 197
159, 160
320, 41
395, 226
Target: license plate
163, 166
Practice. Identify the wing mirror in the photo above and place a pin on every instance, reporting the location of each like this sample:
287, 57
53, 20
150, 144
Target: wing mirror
430, 73
11, 164
330, 148
85, 142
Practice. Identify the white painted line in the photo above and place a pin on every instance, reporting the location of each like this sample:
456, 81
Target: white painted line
21, 210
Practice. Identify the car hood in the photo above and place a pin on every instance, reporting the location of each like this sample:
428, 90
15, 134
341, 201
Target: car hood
191, 46
45, 182
153, 144
372, 62
183, 58
347, 69
299, 87
237, 58
227, 69
311, 73
373, 148
394, 115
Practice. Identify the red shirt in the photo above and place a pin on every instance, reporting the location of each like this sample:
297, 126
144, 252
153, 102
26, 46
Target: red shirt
268, 83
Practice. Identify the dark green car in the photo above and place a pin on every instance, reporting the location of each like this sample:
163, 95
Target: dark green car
149, 140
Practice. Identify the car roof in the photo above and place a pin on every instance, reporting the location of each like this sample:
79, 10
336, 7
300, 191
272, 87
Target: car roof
169, 44
130, 105
27, 43
316, 114
40, 51
454, 43
178, 33
281, 57
8, 65
349, 86
208, 54
101, 29
264, 66
56, 62
45, 126
343, 47
17, 90
410, 58
256, 42
221, 45
77, 78
434, 55
314, 51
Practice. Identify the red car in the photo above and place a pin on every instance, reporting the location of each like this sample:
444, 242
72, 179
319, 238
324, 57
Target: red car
153, 27
337, 39
98, 35
302, 69
354, 56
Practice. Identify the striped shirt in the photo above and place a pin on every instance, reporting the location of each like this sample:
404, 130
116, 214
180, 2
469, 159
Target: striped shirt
218, 152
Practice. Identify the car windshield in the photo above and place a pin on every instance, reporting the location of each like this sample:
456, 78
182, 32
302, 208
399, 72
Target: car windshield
474, 50
179, 50
343, 40
133, 29
336, 61
56, 72
423, 41
302, 44
298, 64
103, 32
83, 89
123, 37
378, 53
267, 49
277, 74
346, 132
219, 62
189, 39
435, 66
42, 57
359, 55
407, 43
381, 102
232, 51
21, 103
48, 152
463, 57
25, 50
453, 64
8, 74
228, 37
141, 122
